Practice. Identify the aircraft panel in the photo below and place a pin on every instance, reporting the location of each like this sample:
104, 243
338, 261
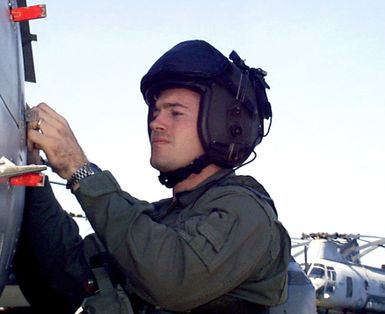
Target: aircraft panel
12, 134
10, 62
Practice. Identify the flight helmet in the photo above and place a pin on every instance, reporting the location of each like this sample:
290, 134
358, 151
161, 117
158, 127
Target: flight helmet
232, 108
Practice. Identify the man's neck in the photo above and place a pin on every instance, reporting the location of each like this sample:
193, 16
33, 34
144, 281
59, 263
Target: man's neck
195, 179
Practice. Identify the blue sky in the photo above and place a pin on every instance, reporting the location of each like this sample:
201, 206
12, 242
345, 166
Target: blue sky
323, 162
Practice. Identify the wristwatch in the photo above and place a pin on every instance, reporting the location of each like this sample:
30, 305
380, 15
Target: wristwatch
84, 171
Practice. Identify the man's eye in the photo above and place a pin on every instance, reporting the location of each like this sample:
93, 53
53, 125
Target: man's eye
176, 113
154, 113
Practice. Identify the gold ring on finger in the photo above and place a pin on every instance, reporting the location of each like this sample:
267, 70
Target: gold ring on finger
38, 126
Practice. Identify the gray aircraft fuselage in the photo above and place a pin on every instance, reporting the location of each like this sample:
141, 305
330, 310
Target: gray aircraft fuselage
12, 133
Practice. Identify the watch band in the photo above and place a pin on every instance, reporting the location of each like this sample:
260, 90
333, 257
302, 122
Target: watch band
84, 171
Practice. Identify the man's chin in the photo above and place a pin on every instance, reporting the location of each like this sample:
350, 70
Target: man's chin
161, 167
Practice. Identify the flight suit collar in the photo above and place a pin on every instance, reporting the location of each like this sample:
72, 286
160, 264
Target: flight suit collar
186, 197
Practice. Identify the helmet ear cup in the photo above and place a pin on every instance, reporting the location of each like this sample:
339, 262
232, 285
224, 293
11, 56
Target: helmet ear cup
229, 129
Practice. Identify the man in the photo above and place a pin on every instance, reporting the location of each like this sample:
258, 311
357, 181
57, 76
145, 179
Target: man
216, 246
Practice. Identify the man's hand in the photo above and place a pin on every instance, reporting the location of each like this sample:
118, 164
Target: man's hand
51, 132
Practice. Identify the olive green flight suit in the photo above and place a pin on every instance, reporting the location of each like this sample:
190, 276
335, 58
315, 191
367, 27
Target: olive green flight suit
222, 238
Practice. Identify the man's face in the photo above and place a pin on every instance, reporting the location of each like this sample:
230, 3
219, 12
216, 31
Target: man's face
174, 136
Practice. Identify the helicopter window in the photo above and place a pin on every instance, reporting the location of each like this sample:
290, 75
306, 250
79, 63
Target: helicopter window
317, 272
331, 273
349, 287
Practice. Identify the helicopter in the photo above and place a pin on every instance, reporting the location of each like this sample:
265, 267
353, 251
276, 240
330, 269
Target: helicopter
342, 283
16, 67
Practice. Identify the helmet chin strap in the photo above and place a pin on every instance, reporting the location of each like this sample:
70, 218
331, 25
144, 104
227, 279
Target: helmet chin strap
172, 178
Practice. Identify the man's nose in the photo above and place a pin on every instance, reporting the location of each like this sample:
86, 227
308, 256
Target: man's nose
158, 122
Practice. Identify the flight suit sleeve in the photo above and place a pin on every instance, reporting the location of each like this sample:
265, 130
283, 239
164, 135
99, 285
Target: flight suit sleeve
183, 266
49, 264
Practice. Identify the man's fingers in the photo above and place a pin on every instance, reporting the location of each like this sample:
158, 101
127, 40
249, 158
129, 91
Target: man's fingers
46, 112
33, 119
35, 138
35, 124
43, 113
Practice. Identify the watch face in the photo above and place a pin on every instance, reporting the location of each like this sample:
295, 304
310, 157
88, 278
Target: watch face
94, 168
